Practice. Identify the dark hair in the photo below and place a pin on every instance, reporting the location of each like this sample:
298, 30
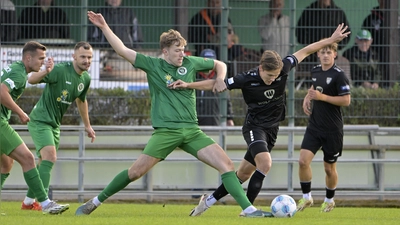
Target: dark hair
85, 45
31, 47
271, 60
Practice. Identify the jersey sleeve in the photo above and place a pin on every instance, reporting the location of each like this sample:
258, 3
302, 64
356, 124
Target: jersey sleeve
143, 62
201, 64
289, 62
343, 84
238, 81
14, 81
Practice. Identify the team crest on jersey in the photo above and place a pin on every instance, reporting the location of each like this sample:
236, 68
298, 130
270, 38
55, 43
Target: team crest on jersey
328, 80
169, 79
182, 70
63, 97
269, 93
80, 87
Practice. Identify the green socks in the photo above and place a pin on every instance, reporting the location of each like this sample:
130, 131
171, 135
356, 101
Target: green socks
118, 183
3, 178
234, 188
35, 184
44, 168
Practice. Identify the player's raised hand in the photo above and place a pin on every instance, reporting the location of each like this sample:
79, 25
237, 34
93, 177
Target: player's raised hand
97, 19
340, 33
49, 64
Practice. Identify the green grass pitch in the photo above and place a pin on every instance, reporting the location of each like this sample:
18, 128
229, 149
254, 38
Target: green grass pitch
142, 214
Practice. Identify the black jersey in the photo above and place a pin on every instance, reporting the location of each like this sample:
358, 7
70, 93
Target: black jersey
327, 117
265, 103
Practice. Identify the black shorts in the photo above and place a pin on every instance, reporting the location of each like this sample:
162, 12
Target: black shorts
331, 143
256, 134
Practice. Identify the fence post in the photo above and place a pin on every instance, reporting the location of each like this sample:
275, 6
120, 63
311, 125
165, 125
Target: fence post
81, 168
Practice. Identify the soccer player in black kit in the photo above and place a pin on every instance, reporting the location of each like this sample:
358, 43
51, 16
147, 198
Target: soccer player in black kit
263, 90
329, 91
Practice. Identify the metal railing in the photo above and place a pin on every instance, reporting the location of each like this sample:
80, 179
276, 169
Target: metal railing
377, 153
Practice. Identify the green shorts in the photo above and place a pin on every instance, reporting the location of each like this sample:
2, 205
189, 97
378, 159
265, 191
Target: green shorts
9, 138
43, 135
164, 140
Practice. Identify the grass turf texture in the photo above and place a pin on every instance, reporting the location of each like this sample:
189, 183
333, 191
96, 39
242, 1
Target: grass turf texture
123, 213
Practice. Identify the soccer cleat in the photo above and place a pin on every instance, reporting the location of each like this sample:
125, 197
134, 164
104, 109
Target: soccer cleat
54, 209
86, 208
35, 206
304, 203
258, 214
201, 207
327, 207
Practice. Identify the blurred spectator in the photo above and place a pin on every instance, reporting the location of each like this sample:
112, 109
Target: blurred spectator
207, 102
319, 20
364, 62
123, 23
8, 22
274, 29
376, 24
43, 20
205, 25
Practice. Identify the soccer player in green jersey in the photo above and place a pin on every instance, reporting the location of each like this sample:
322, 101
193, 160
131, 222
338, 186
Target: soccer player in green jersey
65, 82
13, 81
173, 115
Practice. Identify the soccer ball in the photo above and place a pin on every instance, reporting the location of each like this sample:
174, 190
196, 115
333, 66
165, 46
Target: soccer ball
283, 206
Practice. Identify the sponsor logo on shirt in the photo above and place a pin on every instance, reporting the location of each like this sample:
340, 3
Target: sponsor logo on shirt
255, 84
320, 89
182, 70
314, 79
269, 93
63, 97
68, 82
169, 79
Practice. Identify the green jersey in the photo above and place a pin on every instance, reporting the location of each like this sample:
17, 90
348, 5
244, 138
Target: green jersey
172, 108
63, 86
14, 77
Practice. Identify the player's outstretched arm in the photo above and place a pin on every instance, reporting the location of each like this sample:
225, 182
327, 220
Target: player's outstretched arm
98, 20
205, 85
36, 77
339, 34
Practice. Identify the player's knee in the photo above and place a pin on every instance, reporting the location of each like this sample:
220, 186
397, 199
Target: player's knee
258, 147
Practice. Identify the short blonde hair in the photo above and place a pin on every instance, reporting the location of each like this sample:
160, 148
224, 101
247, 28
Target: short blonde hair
271, 60
171, 37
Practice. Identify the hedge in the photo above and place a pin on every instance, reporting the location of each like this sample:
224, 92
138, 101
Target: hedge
120, 107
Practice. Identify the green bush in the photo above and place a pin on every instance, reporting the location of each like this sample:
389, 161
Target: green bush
120, 107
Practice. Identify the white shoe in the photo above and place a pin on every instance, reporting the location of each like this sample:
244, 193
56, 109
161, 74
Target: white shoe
201, 207
54, 208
